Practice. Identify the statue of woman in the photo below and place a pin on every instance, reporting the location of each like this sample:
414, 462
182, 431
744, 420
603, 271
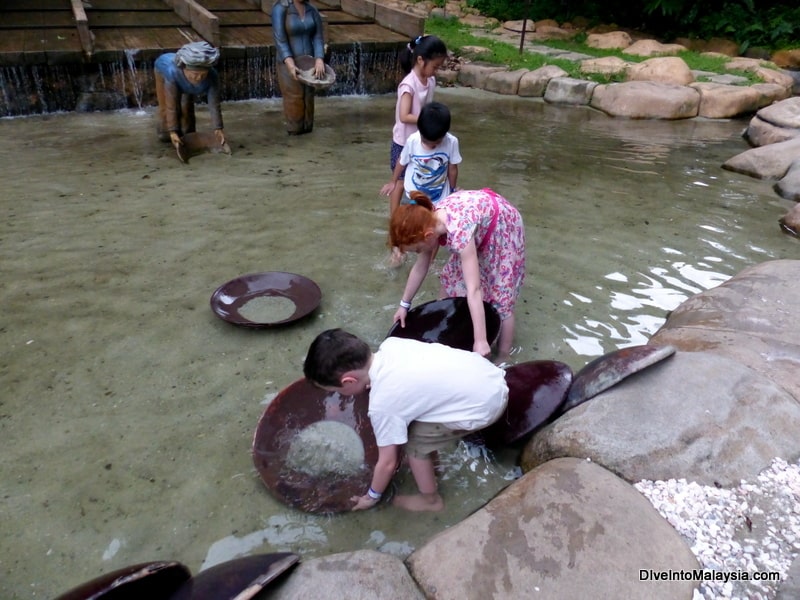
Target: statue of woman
180, 76
297, 28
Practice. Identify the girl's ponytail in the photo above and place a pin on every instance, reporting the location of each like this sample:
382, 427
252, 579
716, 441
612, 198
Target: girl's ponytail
426, 46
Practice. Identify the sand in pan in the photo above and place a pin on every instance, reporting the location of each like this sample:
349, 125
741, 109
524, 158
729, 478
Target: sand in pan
326, 447
267, 309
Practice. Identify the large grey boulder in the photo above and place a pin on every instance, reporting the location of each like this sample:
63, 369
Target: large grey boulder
783, 114
771, 93
568, 90
718, 101
610, 40
753, 318
789, 186
762, 133
646, 100
653, 48
669, 69
790, 222
360, 575
533, 84
698, 416
569, 529
475, 74
607, 65
765, 162
504, 82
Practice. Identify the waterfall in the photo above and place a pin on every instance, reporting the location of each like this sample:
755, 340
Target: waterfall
127, 83
135, 85
35, 89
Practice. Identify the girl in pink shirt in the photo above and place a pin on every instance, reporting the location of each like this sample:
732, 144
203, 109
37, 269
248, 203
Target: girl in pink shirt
419, 59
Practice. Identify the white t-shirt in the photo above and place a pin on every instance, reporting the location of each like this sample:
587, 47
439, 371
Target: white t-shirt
417, 381
426, 169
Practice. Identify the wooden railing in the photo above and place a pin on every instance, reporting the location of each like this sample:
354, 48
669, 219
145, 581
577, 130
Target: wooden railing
82, 23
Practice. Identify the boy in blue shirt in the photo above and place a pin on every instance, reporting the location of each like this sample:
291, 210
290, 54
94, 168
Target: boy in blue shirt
430, 157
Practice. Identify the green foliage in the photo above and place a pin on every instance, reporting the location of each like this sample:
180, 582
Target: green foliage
456, 36
774, 28
773, 24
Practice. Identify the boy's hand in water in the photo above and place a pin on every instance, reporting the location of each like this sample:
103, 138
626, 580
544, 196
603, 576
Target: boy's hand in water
363, 502
396, 258
388, 188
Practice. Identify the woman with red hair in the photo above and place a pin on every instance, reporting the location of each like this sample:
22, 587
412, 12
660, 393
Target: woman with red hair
486, 238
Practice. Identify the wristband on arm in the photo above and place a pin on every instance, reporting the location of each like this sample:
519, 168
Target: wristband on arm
404, 304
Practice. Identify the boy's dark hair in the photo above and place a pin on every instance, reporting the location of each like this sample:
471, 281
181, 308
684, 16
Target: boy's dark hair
333, 353
426, 46
433, 121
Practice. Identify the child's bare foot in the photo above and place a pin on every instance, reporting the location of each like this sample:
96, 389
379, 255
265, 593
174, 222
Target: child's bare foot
419, 502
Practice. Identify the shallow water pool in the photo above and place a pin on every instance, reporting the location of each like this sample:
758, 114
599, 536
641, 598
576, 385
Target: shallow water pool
128, 407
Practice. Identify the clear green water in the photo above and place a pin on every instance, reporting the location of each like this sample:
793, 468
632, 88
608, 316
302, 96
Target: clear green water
128, 409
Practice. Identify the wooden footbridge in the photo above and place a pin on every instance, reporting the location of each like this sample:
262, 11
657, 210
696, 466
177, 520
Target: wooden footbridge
51, 39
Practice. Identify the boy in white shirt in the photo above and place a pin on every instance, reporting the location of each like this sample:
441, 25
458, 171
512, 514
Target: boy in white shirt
430, 157
422, 397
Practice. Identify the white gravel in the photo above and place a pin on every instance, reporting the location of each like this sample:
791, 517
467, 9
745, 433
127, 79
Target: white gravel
745, 531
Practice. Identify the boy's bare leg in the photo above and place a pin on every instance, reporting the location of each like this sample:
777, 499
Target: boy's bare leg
428, 499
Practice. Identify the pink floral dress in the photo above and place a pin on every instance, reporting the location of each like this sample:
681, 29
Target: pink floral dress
496, 226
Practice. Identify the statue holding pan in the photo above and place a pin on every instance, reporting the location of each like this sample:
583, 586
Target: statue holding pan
180, 77
297, 29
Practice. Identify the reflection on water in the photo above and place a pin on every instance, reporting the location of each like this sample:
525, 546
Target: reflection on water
129, 407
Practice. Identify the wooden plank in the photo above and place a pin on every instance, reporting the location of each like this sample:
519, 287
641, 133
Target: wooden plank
33, 44
138, 39
23, 19
359, 8
399, 21
231, 5
233, 19
169, 40
244, 19
134, 5
247, 36
12, 44
164, 18
68, 51
107, 41
82, 25
30, 5
60, 40
182, 8
339, 17
354, 34
205, 23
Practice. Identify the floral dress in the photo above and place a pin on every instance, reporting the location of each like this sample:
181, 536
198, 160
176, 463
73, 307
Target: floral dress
496, 226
